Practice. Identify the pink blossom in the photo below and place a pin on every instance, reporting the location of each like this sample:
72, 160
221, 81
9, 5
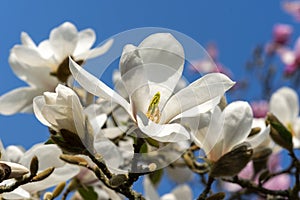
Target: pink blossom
280, 182
209, 63
291, 58
281, 36
282, 33
292, 8
259, 108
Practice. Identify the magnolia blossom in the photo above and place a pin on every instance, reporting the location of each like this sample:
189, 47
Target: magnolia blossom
292, 8
180, 192
284, 104
61, 173
291, 58
63, 110
281, 36
219, 132
45, 65
150, 73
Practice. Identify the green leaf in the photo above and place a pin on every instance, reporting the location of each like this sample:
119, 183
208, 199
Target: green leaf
156, 176
144, 148
49, 141
88, 193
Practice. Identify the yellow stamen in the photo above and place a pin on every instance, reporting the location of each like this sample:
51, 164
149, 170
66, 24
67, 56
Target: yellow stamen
153, 112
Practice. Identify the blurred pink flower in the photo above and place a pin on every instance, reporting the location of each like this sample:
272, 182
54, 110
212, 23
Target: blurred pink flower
291, 58
282, 33
210, 63
292, 8
280, 182
281, 36
259, 108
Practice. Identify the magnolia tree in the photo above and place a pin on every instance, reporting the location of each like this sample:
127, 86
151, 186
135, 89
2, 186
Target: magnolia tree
152, 121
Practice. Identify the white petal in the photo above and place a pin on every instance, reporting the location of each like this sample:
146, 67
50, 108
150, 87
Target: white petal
27, 41
38, 104
82, 127
18, 100
208, 133
237, 125
284, 104
162, 132
183, 192
262, 139
59, 175
86, 39
163, 59
203, 108
109, 151
180, 174
98, 51
18, 193
202, 90
34, 76
43, 152
63, 40
97, 87
29, 56
14, 153
150, 191
287, 56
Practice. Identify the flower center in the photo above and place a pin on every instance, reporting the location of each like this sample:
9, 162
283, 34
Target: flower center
153, 110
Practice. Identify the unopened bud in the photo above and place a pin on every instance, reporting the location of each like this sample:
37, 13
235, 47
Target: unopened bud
118, 180
74, 160
279, 133
232, 162
5, 171
34, 165
59, 188
16, 170
217, 196
254, 131
68, 142
44, 174
260, 159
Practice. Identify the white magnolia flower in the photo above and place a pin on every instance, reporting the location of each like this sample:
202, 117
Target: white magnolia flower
284, 104
61, 173
34, 64
180, 192
150, 73
63, 110
220, 132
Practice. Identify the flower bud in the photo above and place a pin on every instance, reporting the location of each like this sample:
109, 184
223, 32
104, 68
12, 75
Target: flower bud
5, 171
44, 174
59, 188
217, 196
34, 165
232, 162
74, 160
16, 170
279, 133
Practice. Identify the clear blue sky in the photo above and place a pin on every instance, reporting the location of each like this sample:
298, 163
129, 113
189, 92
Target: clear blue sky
236, 26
